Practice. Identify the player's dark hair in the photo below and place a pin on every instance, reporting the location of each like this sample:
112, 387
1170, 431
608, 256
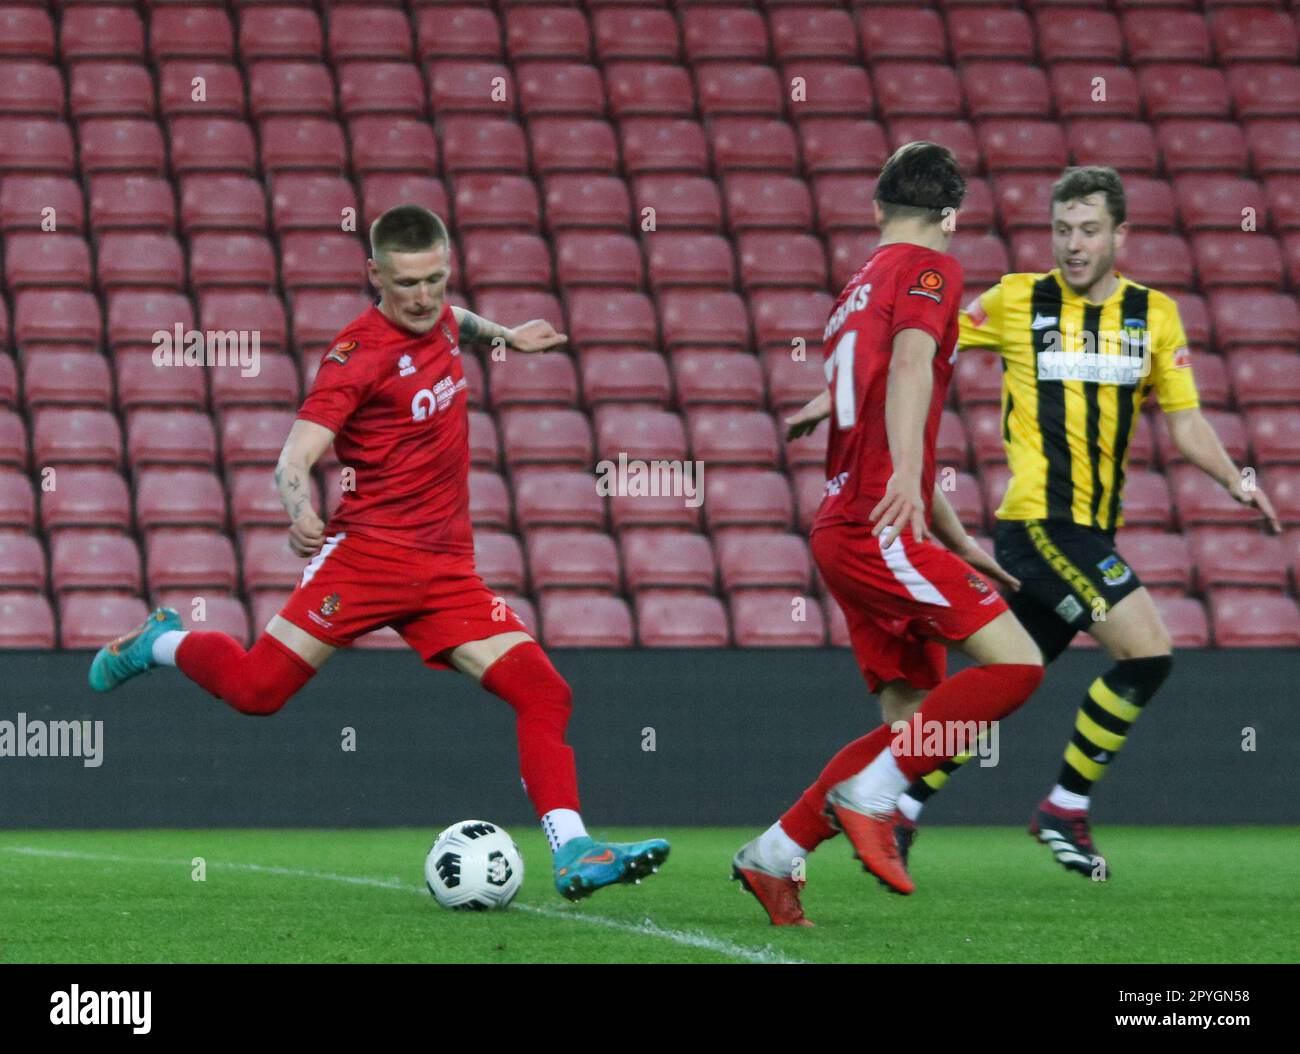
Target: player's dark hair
1093, 179
920, 180
406, 229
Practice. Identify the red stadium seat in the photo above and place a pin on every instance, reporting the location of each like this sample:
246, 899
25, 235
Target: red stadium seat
26, 32
844, 202
672, 619
765, 200
1210, 201
1161, 559
367, 88
1201, 502
715, 378
1235, 556
1129, 145
141, 382
666, 559
268, 563
1283, 203
597, 258
1274, 146
95, 89
513, 260
51, 259
1228, 258
22, 564
483, 200
511, 307
187, 497
95, 32
23, 197
1264, 90
639, 433
190, 32
1150, 202
471, 143
143, 258
756, 143
987, 32
121, 145
69, 378
585, 620
828, 90
462, 32
220, 202
1146, 500
639, 33
258, 312
783, 316
983, 258
296, 143
548, 380
191, 559
298, 88
1186, 620
916, 35
546, 437
1274, 434
8, 376
1254, 34
1242, 317
309, 202
723, 34
558, 89
1034, 145
217, 613
279, 33
1228, 426
484, 449
489, 501
572, 560
649, 89
368, 32
1063, 35
83, 437
222, 92
1166, 36
703, 319
1075, 84
86, 497
780, 259
471, 87
274, 384
86, 620
380, 191
625, 376
593, 201
733, 437
35, 144
547, 33
1254, 618
977, 378
763, 559
905, 89
557, 498
1195, 317
56, 317
849, 251
681, 202
776, 619
608, 317
1006, 89
307, 260
93, 560
574, 144
839, 144
746, 497
1200, 146
649, 510
499, 560
1261, 378
1159, 260
170, 437
1283, 486
824, 33
253, 437
17, 499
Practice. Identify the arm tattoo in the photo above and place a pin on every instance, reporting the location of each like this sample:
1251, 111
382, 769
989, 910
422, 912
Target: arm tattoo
475, 329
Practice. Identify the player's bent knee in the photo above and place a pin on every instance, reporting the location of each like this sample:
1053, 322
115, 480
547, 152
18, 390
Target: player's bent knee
1138, 680
525, 678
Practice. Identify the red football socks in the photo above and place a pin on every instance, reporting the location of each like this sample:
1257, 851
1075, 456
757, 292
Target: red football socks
542, 701
256, 682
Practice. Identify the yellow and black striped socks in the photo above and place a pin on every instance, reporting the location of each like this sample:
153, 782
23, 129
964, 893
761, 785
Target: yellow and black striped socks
1113, 703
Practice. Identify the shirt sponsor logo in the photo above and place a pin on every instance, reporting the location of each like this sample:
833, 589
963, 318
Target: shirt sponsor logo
1183, 358
928, 283
1042, 321
1069, 609
1124, 370
405, 367
435, 399
1114, 572
340, 352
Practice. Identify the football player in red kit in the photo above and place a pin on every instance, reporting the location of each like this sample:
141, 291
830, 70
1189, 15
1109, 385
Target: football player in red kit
399, 551
889, 350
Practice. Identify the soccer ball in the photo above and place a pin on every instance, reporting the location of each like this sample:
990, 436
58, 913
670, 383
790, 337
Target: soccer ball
474, 866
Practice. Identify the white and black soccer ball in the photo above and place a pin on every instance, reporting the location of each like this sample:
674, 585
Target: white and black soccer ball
474, 866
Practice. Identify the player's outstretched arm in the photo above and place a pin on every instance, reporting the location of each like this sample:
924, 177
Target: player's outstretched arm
1197, 441
948, 529
306, 443
907, 402
812, 413
534, 335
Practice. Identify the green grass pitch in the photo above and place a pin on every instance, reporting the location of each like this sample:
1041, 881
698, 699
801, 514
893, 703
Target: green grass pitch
984, 895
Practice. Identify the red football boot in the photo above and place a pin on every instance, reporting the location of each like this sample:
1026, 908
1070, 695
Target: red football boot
779, 894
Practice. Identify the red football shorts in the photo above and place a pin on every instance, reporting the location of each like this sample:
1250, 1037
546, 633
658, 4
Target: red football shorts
436, 601
903, 603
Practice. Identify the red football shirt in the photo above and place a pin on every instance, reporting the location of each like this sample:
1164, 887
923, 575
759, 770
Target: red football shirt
902, 286
397, 403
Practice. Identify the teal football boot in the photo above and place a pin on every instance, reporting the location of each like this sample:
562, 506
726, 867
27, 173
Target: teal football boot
131, 654
584, 865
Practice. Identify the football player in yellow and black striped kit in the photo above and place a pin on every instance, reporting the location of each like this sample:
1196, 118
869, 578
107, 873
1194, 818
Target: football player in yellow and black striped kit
1081, 347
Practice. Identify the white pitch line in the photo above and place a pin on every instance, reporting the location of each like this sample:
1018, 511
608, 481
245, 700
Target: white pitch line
648, 928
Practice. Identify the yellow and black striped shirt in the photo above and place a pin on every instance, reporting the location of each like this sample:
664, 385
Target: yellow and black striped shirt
1074, 375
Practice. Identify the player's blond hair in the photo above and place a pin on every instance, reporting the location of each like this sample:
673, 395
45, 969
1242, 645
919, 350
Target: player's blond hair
407, 229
